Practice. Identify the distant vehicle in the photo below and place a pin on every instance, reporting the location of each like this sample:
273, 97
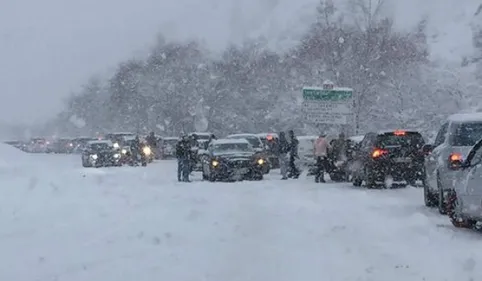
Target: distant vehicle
464, 201
38, 145
454, 140
232, 159
269, 140
62, 145
167, 147
395, 154
80, 143
100, 154
118, 138
258, 146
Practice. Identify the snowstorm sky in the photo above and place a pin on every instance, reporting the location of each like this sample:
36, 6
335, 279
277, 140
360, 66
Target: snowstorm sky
49, 48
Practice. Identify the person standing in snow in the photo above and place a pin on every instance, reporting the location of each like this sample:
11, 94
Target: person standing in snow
321, 147
294, 172
282, 148
183, 153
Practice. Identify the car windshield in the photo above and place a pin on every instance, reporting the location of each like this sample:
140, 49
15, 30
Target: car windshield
225, 147
412, 139
254, 141
170, 142
467, 134
100, 146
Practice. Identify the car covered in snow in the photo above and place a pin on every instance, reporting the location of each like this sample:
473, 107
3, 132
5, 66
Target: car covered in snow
389, 156
167, 147
100, 153
455, 139
257, 144
232, 159
464, 202
119, 137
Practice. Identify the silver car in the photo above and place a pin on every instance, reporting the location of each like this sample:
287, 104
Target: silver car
453, 143
464, 204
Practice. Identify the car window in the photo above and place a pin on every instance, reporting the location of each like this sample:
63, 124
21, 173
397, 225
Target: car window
466, 134
410, 139
441, 135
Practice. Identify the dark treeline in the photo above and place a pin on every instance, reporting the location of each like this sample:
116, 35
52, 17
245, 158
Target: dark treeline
251, 88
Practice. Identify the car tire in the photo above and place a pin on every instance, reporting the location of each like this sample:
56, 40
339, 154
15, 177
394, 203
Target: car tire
428, 197
441, 204
369, 181
452, 211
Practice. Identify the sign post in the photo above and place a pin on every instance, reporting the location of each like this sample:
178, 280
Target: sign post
329, 105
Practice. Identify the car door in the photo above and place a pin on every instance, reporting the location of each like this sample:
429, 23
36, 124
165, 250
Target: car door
470, 187
431, 163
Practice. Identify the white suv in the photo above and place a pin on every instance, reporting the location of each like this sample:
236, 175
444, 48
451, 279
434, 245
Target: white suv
453, 143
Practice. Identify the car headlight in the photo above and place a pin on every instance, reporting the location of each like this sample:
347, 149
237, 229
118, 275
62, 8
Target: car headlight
124, 151
215, 163
116, 155
147, 150
94, 156
116, 145
261, 161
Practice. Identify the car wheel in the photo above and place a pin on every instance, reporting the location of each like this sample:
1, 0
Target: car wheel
428, 197
369, 180
454, 213
442, 206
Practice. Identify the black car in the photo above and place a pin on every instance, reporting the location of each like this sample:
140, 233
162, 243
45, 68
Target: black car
232, 159
396, 154
100, 154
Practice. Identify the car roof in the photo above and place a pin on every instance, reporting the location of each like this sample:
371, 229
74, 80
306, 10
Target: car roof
465, 117
381, 132
230, 141
100, 142
170, 138
243, 136
264, 135
306, 137
200, 133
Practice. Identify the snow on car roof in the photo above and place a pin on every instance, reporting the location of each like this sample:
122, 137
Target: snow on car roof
100, 142
230, 141
306, 137
465, 117
169, 138
357, 138
242, 135
200, 133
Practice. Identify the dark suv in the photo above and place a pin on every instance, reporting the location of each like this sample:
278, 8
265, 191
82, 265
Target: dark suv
396, 154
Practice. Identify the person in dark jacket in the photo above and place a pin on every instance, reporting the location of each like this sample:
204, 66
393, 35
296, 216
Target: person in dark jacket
152, 142
183, 154
282, 149
294, 172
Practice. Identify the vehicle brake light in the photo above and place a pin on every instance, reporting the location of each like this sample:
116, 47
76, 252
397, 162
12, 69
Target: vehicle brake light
455, 157
399, 133
269, 137
379, 152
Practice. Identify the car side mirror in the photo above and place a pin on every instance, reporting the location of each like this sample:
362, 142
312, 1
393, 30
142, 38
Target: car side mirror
427, 149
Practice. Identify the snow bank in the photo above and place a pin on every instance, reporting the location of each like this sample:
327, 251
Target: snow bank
11, 156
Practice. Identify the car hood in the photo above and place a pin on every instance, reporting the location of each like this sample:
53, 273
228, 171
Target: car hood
234, 155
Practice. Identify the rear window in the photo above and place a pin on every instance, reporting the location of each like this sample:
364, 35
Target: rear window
467, 134
407, 139
100, 146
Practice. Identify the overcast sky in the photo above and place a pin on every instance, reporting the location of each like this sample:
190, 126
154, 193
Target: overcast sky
48, 48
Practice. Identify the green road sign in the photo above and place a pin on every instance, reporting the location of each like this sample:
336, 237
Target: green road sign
327, 95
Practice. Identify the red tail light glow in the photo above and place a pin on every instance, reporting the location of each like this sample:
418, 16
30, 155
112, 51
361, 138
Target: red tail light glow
379, 152
455, 157
399, 133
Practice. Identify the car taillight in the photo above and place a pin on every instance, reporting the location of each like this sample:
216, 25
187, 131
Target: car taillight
455, 157
378, 153
399, 133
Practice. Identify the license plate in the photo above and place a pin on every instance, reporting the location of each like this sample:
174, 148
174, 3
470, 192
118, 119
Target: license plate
241, 171
402, 160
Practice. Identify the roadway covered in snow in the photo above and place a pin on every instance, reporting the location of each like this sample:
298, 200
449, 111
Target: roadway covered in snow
63, 222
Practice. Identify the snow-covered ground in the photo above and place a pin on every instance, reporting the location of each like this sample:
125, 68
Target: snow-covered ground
63, 222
